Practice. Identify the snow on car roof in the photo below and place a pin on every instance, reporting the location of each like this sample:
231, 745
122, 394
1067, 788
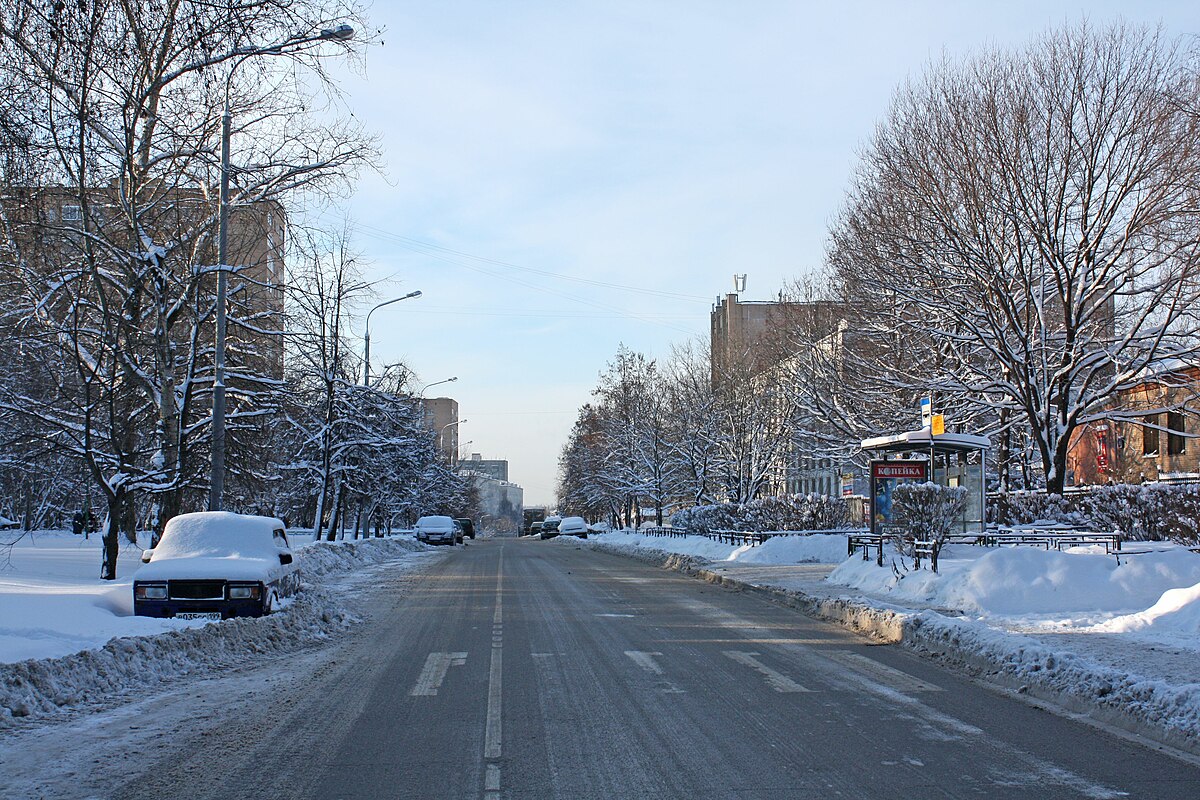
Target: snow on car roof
434, 520
218, 533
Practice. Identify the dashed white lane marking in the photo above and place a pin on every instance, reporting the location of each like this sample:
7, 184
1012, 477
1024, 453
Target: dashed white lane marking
493, 727
888, 676
646, 661
434, 672
491, 781
776, 680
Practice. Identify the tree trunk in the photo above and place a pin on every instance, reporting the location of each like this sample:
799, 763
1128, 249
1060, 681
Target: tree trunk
117, 503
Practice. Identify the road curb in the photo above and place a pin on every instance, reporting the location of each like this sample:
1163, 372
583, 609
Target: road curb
1147, 711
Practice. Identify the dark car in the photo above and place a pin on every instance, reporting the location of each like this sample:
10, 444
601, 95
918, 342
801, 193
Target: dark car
216, 565
467, 525
550, 527
535, 528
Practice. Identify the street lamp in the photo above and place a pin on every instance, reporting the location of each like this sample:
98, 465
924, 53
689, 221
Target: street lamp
216, 490
367, 334
435, 383
442, 433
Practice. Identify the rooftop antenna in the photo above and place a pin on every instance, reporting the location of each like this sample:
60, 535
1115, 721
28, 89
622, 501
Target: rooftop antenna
739, 283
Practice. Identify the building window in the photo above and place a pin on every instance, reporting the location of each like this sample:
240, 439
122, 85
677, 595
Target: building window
1176, 441
72, 214
1150, 436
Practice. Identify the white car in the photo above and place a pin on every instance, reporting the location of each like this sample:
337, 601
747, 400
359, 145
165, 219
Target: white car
215, 565
437, 530
573, 526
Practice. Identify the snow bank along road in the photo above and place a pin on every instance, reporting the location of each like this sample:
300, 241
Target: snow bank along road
523, 669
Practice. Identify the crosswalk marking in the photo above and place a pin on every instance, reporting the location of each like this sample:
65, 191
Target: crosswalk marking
776, 680
434, 672
888, 676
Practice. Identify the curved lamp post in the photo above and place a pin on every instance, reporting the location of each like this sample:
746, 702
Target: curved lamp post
436, 383
367, 334
442, 434
216, 490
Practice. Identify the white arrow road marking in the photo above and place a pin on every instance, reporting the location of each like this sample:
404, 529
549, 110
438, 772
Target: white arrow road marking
888, 676
776, 680
436, 666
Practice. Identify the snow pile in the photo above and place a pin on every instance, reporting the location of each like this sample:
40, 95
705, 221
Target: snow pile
1024, 581
128, 664
817, 548
1177, 611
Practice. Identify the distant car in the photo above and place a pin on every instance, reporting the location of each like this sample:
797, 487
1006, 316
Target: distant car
600, 527
550, 527
535, 528
438, 530
467, 525
573, 526
216, 565
7, 524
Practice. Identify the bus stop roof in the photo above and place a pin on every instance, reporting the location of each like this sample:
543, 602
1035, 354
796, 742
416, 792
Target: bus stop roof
924, 440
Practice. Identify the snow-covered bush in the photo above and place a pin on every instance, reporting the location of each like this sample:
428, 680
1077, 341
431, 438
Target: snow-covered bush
1150, 511
705, 519
796, 512
927, 510
1025, 507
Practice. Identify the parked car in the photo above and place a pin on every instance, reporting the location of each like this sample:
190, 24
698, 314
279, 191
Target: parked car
467, 525
573, 526
438, 530
600, 527
216, 565
550, 527
535, 528
7, 524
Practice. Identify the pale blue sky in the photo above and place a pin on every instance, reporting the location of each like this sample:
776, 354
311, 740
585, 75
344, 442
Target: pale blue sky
656, 147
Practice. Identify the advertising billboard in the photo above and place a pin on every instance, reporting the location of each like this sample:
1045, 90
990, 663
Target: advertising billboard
885, 477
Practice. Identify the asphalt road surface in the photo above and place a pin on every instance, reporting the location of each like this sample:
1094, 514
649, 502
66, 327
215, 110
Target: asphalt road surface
528, 669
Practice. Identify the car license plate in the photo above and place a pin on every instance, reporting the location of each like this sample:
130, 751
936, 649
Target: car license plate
198, 615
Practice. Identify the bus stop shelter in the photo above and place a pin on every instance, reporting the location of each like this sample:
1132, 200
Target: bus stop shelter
947, 459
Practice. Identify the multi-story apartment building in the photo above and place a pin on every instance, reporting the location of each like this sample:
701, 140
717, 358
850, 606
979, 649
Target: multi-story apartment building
495, 468
1153, 438
441, 415
55, 230
749, 344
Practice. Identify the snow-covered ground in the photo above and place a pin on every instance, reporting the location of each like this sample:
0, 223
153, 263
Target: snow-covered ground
69, 639
1118, 630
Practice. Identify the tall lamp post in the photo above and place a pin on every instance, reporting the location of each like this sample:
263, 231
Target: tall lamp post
442, 434
436, 383
367, 334
216, 490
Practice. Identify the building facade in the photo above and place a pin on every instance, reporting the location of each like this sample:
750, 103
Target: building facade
441, 415
1153, 439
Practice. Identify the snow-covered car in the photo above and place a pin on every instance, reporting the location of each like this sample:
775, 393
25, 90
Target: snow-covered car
438, 530
550, 527
216, 565
7, 524
600, 527
573, 526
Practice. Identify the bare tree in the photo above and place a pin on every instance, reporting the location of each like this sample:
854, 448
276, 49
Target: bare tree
1026, 223
125, 114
